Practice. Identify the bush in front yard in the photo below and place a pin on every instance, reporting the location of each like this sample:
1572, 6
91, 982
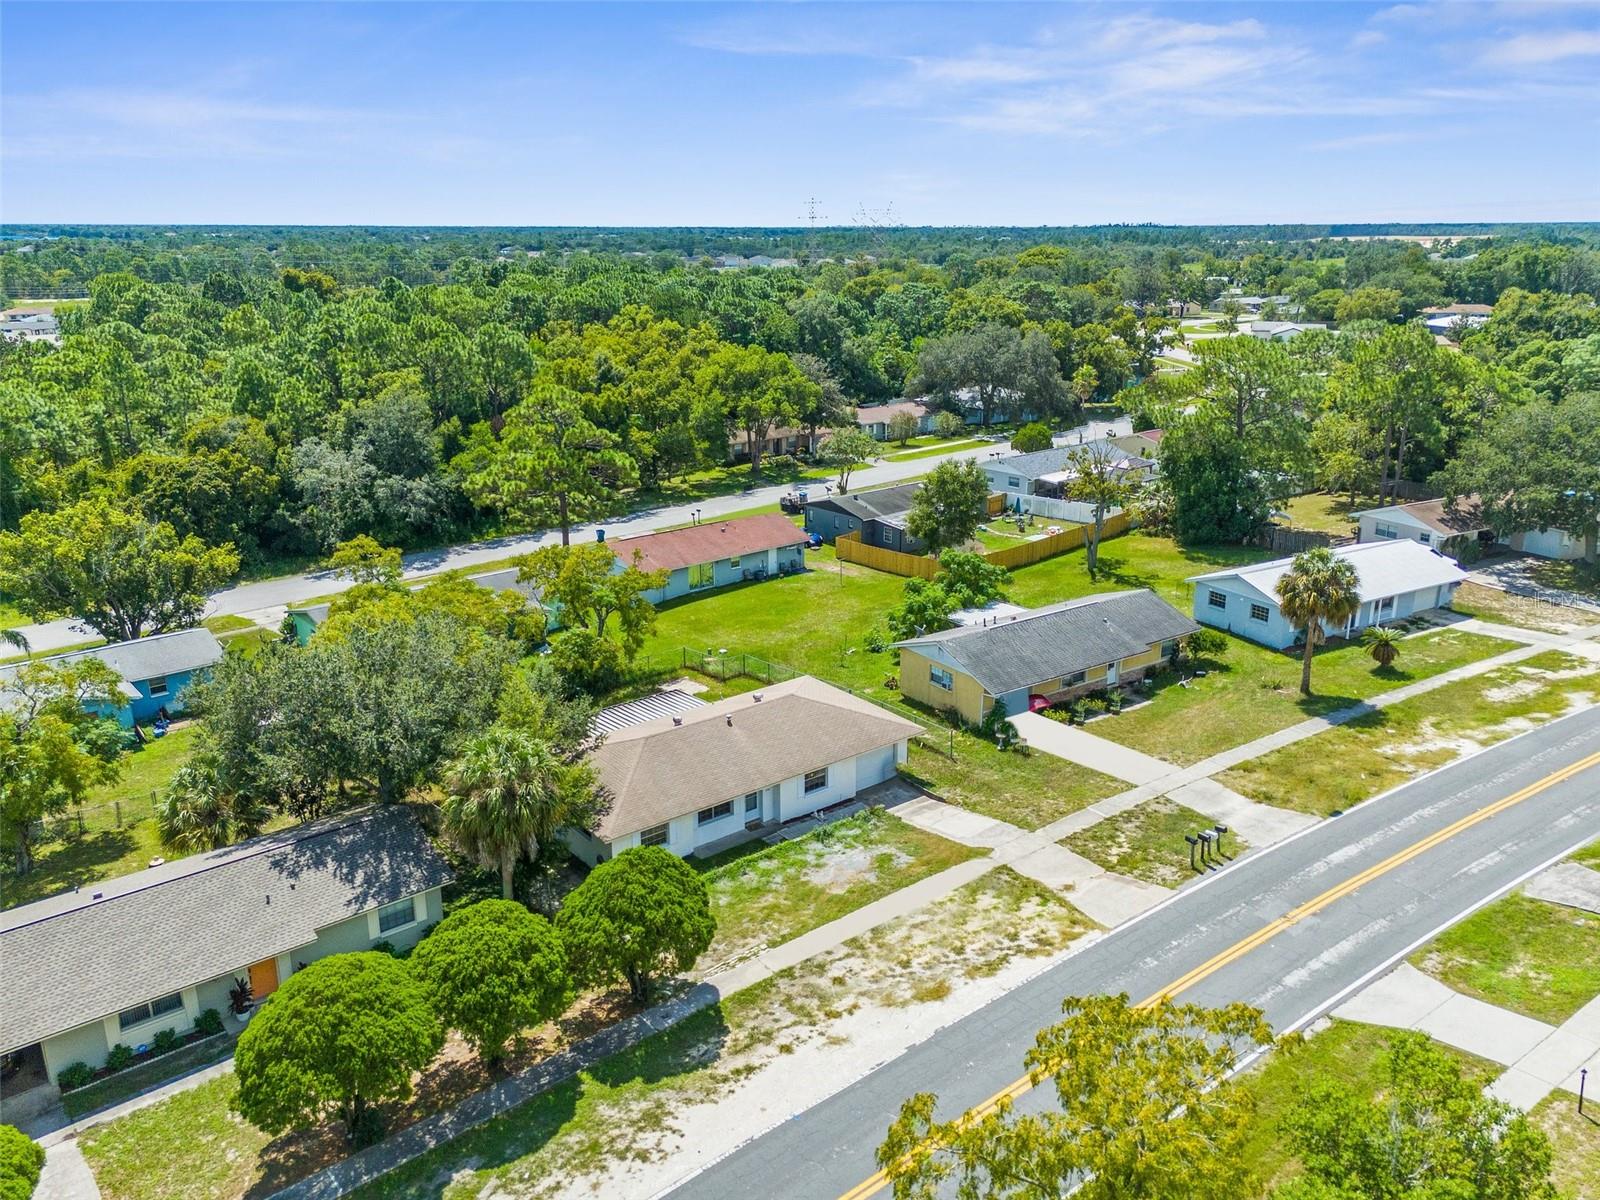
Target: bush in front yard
208, 1023
21, 1160
643, 912
492, 970
338, 1037
120, 1057
75, 1075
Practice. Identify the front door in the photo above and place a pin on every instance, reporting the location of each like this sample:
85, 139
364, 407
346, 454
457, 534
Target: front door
1113, 673
263, 978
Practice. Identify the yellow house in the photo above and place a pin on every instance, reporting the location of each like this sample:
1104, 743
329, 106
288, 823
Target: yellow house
1056, 652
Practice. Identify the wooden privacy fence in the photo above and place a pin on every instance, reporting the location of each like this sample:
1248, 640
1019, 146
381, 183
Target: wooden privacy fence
850, 548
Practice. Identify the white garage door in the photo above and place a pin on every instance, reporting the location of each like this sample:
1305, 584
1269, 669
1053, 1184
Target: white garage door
874, 767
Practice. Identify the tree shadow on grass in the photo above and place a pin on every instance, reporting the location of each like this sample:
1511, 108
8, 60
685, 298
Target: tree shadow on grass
78, 861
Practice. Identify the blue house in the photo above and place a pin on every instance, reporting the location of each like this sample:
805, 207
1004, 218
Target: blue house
714, 554
154, 671
1397, 579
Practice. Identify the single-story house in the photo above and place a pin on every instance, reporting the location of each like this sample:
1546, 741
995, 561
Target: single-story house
119, 961
307, 617
710, 776
1049, 472
1444, 526
875, 419
154, 671
1397, 578
714, 554
778, 441
1471, 312
1057, 652
1435, 523
879, 516
1280, 331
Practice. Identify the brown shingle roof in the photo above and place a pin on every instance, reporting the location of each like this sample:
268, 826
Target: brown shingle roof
660, 770
674, 548
1466, 516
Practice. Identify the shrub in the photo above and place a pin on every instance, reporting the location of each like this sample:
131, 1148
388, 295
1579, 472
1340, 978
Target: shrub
780, 464
590, 664
119, 1058
877, 639
74, 1076
1031, 437
21, 1160
1207, 643
165, 1042
948, 424
1080, 710
385, 946
1114, 702
208, 1023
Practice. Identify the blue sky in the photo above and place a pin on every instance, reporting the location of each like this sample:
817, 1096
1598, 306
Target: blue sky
711, 114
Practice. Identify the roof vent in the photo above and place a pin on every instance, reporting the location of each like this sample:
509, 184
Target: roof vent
677, 720
757, 697
98, 896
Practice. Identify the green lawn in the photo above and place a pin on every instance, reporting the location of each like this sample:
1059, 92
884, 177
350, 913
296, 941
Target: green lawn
107, 848
931, 447
1347, 1051
227, 623
1324, 513
116, 1088
1148, 843
1574, 1141
1589, 856
11, 616
1539, 959
1251, 691
90, 644
1026, 790
766, 895
1373, 753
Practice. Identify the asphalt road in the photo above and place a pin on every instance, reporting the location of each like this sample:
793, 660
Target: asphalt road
265, 598
1293, 929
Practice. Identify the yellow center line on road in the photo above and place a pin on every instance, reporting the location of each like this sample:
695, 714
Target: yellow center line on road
880, 1179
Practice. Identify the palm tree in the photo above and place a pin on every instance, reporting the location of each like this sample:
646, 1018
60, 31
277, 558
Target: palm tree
196, 814
1319, 587
14, 638
1383, 644
508, 793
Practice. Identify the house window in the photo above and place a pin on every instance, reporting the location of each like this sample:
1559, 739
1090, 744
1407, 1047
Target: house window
158, 686
656, 835
1386, 605
702, 575
715, 813
149, 1011
1385, 531
1425, 538
1258, 612
1169, 649
1075, 679
1013, 483
1218, 599
397, 915
941, 678
816, 780
752, 803
734, 562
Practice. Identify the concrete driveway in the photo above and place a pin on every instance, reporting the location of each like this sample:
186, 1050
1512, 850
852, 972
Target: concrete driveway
1096, 753
1514, 573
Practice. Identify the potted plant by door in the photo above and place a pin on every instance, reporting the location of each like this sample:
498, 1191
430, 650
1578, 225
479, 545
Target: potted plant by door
241, 999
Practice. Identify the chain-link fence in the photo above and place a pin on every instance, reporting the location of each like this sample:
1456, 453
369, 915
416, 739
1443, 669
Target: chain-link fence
81, 820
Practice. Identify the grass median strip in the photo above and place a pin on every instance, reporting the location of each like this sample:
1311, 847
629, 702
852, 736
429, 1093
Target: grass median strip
1383, 749
1147, 842
1533, 957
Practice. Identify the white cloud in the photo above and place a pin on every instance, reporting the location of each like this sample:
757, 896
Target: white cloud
1527, 49
1368, 38
1359, 141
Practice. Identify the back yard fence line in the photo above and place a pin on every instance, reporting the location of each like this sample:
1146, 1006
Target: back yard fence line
850, 548
76, 822
1280, 539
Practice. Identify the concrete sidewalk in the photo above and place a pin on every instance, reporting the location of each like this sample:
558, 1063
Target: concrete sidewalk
1084, 748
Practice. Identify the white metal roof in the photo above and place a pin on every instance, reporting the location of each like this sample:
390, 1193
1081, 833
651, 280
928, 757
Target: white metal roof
1387, 568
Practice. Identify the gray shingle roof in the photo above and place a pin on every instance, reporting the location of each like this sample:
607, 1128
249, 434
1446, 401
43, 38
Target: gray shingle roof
884, 504
1047, 462
148, 658
75, 958
1061, 639
659, 770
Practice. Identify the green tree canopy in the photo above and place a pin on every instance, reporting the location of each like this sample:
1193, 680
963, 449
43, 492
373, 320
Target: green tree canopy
123, 575
336, 1038
586, 587
846, 448
1032, 437
1216, 495
1145, 1107
1008, 372
492, 970
644, 912
949, 506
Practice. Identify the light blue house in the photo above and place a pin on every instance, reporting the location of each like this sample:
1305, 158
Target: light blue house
714, 554
154, 670
1397, 579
